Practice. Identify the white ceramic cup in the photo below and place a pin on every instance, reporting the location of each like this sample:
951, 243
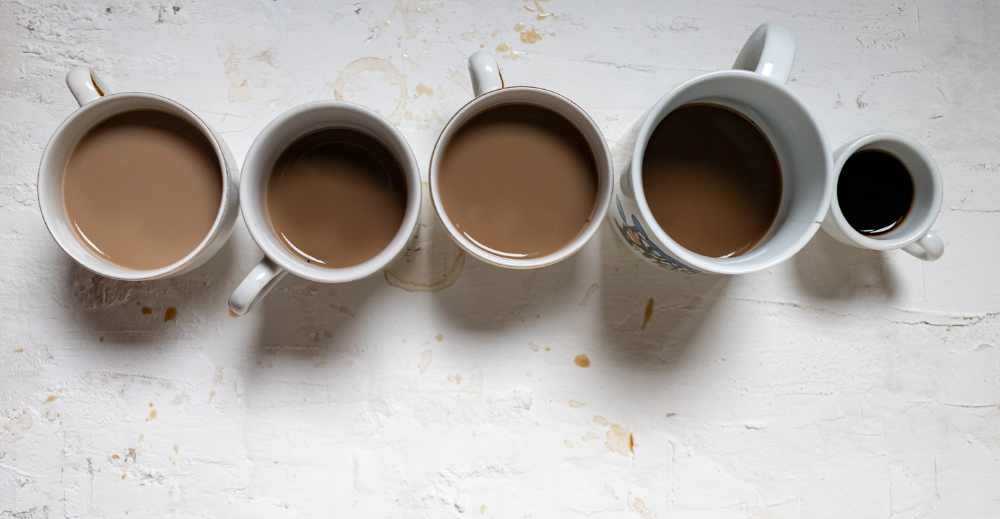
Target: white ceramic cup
487, 85
266, 149
914, 235
97, 104
756, 89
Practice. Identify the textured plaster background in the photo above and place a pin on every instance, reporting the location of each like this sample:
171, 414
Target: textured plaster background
841, 384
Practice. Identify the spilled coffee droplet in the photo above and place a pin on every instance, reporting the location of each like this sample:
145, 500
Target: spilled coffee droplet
582, 361
232, 313
146, 310
170, 314
649, 313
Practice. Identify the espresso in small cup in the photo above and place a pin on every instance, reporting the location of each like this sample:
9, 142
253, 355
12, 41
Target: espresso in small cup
712, 180
143, 189
336, 198
875, 192
519, 181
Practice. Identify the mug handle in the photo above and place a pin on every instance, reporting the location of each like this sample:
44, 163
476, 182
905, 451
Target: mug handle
769, 51
929, 247
256, 285
85, 85
485, 73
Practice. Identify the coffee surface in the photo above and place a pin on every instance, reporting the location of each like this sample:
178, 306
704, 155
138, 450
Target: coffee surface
712, 180
875, 192
143, 189
519, 181
336, 198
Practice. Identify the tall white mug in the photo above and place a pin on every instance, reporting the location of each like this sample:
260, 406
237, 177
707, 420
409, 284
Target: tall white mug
272, 141
756, 89
97, 103
913, 234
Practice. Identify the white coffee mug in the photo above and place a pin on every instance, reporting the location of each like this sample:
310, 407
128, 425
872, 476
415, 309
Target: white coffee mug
914, 234
756, 89
487, 85
97, 104
272, 141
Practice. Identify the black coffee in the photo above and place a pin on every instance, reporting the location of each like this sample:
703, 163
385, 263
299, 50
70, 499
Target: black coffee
875, 192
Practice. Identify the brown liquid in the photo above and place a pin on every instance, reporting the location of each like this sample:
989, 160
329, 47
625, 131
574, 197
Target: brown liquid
712, 180
336, 198
519, 181
143, 189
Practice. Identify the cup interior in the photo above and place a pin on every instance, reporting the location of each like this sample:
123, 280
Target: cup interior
798, 142
53, 168
927, 193
562, 106
278, 136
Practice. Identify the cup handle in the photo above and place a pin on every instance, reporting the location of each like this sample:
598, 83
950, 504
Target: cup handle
769, 51
85, 85
928, 248
256, 285
485, 73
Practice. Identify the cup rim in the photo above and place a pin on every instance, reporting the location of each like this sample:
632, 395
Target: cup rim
261, 230
707, 263
125, 273
871, 141
601, 205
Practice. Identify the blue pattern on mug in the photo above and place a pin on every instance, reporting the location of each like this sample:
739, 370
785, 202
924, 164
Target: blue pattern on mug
636, 236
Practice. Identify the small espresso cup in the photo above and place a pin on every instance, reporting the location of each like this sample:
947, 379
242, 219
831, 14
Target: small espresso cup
489, 90
97, 104
913, 234
265, 151
755, 88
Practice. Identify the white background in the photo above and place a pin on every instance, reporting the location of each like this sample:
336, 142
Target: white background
841, 384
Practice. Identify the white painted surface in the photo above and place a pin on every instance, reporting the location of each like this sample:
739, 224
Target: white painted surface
844, 383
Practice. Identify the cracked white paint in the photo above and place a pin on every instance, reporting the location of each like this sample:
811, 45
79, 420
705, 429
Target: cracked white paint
843, 383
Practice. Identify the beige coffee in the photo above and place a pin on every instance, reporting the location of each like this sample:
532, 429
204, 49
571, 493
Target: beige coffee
519, 181
336, 198
711, 180
143, 189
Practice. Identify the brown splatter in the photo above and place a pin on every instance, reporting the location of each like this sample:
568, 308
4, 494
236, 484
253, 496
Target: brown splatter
115, 457
146, 310
423, 90
350, 80
648, 314
576, 403
640, 507
100, 339
150, 404
51, 398
482, 509
177, 9
345, 310
176, 450
170, 314
439, 337
600, 420
590, 436
530, 36
568, 444
211, 395
123, 476
232, 313
152, 415
608, 489
540, 13
141, 436
456, 378
425, 361
590, 291
620, 440
508, 52
20, 350
671, 414
582, 361
548, 348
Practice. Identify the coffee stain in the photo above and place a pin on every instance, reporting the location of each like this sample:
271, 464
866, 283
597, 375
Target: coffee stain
482, 509
411, 10
568, 444
508, 52
582, 361
423, 90
241, 81
640, 507
51, 398
431, 261
344, 310
620, 440
176, 451
350, 80
456, 378
425, 361
152, 415
328, 334
528, 36
600, 420
146, 310
548, 348
540, 13
115, 457
150, 404
671, 414
439, 337
232, 313
590, 436
469, 35
170, 314
21, 350
123, 476
211, 395
590, 291
608, 489
648, 314
612, 118
576, 403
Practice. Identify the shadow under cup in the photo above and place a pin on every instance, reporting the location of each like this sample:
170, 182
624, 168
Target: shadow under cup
282, 133
800, 147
